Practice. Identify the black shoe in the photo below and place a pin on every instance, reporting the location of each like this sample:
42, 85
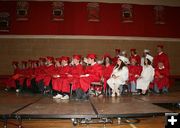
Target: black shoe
79, 93
85, 96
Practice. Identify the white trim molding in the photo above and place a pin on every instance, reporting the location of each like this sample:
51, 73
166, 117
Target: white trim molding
89, 37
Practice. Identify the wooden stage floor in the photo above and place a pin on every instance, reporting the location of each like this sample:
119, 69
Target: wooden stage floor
29, 106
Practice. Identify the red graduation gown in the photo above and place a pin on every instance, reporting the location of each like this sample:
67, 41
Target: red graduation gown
11, 81
137, 57
134, 71
107, 71
75, 71
49, 71
22, 77
39, 73
161, 58
57, 83
161, 82
30, 73
95, 74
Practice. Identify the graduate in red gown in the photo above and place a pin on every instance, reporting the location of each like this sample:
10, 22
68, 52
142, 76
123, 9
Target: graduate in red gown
134, 73
49, 70
21, 76
62, 89
93, 73
107, 69
55, 77
117, 53
161, 80
74, 75
10, 83
135, 55
30, 73
161, 57
36, 71
39, 71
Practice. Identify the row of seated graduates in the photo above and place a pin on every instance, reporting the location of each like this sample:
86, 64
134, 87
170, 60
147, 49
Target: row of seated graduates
27, 77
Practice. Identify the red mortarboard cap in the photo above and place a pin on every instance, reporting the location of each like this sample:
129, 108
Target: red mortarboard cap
65, 58
50, 58
15, 62
31, 61
42, 59
92, 56
24, 62
160, 46
78, 57
132, 49
35, 61
117, 50
59, 59
107, 55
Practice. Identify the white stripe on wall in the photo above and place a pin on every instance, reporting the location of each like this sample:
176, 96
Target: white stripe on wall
88, 37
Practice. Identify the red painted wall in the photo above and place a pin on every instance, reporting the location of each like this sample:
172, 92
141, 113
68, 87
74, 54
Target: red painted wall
76, 22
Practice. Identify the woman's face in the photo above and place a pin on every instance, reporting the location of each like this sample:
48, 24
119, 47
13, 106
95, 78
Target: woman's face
41, 63
133, 62
132, 53
64, 62
146, 61
107, 61
14, 66
57, 63
119, 62
89, 60
159, 50
75, 61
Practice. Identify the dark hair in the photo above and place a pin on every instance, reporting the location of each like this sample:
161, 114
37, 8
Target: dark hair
121, 66
148, 62
16, 65
134, 52
104, 61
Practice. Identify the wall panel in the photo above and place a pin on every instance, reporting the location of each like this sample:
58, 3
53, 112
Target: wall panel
33, 48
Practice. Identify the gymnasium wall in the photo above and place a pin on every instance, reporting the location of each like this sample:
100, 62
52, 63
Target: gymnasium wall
40, 36
33, 48
76, 20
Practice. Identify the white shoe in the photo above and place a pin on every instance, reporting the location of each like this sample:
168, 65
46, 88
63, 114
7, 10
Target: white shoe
17, 90
6, 89
113, 95
58, 96
66, 97
118, 94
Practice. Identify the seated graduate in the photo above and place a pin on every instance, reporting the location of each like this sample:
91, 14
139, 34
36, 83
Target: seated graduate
48, 70
92, 73
134, 73
119, 76
135, 55
62, 90
107, 69
21, 76
73, 76
147, 75
161, 79
11, 82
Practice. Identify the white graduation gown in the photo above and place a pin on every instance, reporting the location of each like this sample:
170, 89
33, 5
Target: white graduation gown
147, 75
122, 77
142, 61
